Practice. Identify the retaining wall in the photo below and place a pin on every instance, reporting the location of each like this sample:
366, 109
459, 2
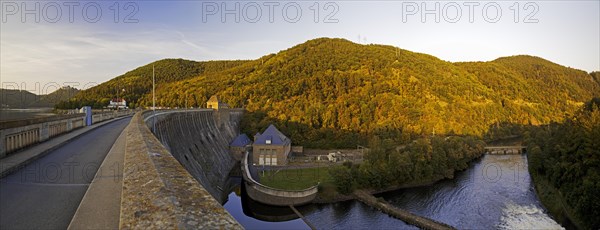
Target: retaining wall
273, 196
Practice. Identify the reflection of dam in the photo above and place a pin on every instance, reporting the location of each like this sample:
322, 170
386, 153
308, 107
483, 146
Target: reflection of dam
199, 140
269, 213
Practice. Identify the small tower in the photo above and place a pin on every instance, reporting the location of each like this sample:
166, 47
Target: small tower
215, 103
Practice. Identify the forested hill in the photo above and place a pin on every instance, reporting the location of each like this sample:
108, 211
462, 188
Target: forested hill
17, 99
564, 163
333, 93
138, 82
22, 99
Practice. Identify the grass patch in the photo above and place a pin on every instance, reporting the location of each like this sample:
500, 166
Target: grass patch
295, 179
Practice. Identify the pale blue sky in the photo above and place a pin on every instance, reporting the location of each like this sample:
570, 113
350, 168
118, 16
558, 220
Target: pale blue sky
82, 53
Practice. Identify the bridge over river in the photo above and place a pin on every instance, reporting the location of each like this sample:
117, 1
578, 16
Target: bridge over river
506, 149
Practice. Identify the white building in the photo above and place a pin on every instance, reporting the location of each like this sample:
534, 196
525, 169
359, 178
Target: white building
117, 103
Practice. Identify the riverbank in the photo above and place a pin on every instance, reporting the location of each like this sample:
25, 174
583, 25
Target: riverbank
327, 193
298, 178
328, 197
554, 202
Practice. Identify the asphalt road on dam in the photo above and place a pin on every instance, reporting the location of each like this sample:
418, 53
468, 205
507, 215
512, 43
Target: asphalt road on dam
46, 193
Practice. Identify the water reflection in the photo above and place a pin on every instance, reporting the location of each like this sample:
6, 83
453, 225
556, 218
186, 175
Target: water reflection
254, 215
353, 215
479, 197
20, 114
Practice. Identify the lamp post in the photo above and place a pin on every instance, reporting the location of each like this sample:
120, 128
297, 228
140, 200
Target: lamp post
119, 100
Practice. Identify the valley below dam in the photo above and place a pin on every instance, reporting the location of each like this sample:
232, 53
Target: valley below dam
495, 192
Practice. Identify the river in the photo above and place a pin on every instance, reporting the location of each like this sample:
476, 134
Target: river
495, 192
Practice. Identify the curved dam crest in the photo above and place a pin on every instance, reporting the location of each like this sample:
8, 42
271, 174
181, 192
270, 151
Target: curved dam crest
199, 140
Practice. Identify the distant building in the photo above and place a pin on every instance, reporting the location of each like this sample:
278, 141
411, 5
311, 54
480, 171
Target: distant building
117, 103
239, 146
216, 104
336, 157
271, 147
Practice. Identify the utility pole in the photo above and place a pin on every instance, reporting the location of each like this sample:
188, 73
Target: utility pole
153, 103
119, 100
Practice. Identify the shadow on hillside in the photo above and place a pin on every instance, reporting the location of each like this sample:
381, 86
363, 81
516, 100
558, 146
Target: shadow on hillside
316, 137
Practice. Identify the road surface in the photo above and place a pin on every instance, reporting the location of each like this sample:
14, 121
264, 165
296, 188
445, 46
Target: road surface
46, 193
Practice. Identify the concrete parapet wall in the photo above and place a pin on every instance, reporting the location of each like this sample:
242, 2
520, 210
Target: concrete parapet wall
15, 135
278, 198
158, 193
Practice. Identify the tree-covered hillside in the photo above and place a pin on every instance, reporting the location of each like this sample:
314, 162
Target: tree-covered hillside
62, 94
17, 99
20, 99
335, 93
564, 161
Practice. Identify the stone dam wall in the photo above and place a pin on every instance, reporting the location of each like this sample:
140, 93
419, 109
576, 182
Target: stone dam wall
199, 140
158, 193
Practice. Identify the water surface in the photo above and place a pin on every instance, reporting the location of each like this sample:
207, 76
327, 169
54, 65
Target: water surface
19, 114
495, 192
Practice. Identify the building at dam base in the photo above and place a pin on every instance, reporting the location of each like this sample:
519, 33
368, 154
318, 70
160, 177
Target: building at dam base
239, 146
271, 147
